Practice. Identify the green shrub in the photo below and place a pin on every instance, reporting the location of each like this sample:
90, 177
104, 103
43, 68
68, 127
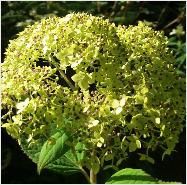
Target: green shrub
82, 87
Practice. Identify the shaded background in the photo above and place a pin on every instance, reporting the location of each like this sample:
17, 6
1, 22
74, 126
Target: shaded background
168, 16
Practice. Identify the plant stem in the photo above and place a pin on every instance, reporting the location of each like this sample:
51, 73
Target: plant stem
178, 19
93, 177
66, 79
85, 175
63, 74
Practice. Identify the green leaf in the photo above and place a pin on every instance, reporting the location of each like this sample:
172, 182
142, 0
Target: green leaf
110, 166
52, 151
132, 146
83, 84
12, 130
80, 151
145, 157
119, 161
82, 80
163, 182
131, 176
78, 77
109, 157
65, 164
167, 152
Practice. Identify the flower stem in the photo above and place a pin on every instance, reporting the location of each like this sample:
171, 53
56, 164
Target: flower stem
54, 63
85, 175
66, 79
93, 177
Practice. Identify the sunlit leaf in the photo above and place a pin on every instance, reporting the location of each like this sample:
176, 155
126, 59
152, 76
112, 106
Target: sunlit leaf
131, 176
52, 151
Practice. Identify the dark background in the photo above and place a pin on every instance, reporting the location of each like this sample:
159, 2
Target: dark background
16, 167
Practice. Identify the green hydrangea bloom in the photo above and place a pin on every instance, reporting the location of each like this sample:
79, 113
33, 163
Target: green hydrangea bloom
114, 88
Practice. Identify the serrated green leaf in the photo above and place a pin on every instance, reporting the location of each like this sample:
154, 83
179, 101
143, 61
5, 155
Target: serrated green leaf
51, 152
131, 176
65, 164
